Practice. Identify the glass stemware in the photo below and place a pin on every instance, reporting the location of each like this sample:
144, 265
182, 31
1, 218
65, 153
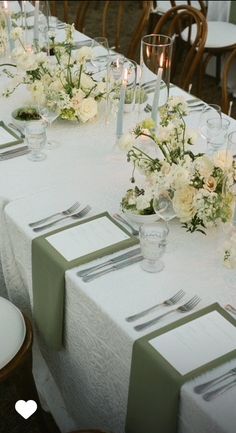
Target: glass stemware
210, 124
152, 242
49, 112
163, 207
100, 58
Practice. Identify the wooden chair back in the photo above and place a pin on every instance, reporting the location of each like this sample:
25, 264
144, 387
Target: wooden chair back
229, 62
139, 28
187, 52
202, 5
54, 11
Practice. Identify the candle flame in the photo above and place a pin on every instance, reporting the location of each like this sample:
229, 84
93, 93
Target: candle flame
161, 62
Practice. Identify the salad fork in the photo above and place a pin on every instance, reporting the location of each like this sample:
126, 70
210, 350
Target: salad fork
68, 211
77, 215
188, 306
171, 301
213, 394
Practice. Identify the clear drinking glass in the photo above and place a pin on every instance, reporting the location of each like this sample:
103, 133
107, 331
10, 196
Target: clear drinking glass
35, 133
155, 62
217, 137
153, 243
210, 112
49, 112
100, 58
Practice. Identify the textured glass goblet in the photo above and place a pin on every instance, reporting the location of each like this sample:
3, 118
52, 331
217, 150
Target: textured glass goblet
152, 242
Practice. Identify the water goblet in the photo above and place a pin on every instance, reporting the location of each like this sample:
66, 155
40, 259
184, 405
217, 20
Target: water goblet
100, 59
210, 113
217, 137
35, 134
153, 242
49, 112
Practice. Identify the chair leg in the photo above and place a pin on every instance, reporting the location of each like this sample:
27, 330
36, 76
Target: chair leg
218, 68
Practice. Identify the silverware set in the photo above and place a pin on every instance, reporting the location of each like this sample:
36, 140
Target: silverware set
50, 220
126, 223
206, 386
19, 132
8, 154
184, 308
194, 105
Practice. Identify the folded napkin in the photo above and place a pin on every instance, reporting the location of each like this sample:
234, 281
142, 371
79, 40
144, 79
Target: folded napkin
48, 272
155, 384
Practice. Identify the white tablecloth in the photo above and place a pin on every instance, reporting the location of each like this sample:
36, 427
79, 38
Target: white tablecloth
92, 371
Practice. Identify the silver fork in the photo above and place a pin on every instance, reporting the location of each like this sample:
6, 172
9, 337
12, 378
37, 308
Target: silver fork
119, 218
188, 306
68, 211
213, 394
77, 215
171, 301
199, 389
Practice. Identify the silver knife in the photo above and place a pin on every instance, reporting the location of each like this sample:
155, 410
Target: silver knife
112, 268
17, 149
13, 155
117, 259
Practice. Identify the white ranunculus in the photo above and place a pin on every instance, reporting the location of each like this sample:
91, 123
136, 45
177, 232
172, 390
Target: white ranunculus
88, 109
223, 159
17, 33
126, 142
86, 82
183, 203
204, 165
84, 54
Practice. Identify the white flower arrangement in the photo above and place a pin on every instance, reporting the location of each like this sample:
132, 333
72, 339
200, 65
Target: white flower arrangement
3, 32
199, 187
62, 78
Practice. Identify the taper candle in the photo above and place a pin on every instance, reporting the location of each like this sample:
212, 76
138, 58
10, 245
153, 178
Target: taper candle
36, 21
9, 27
157, 90
120, 113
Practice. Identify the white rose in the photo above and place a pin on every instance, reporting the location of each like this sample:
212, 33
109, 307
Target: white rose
183, 203
78, 96
88, 109
126, 142
180, 176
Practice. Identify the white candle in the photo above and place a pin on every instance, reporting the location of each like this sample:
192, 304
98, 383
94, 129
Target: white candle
36, 21
157, 90
9, 27
120, 114
25, 20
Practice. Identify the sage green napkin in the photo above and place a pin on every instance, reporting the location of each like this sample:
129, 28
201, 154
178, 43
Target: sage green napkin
48, 269
15, 138
232, 14
155, 385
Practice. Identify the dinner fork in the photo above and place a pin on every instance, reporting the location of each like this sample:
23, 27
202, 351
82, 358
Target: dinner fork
199, 389
77, 215
213, 394
188, 306
171, 301
68, 211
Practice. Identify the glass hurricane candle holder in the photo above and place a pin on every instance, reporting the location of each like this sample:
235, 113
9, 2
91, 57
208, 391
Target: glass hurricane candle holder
155, 61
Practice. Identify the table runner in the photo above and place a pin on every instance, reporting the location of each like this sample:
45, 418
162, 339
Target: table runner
155, 385
48, 273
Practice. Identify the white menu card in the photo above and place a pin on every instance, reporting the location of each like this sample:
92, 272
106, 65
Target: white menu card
197, 342
86, 238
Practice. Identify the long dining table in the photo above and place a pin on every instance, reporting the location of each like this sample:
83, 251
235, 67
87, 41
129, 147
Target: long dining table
86, 382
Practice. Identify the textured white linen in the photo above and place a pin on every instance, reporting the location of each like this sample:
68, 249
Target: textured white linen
92, 371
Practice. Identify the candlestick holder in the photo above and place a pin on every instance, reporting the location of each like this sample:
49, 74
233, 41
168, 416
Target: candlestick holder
155, 61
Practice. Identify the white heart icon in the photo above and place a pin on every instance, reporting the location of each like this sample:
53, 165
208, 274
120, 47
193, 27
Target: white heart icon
26, 408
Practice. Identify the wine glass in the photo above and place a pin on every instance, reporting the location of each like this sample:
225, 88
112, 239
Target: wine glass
100, 59
210, 124
49, 111
163, 207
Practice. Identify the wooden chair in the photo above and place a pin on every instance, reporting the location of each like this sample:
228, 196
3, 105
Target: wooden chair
187, 50
16, 338
225, 101
137, 32
76, 15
